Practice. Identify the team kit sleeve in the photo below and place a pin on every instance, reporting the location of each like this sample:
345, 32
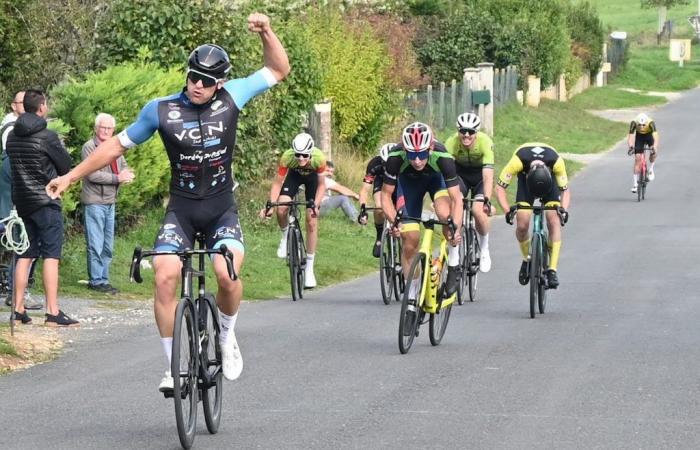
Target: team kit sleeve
633, 127
319, 161
391, 170
559, 171
514, 167
243, 89
285, 161
489, 158
140, 131
449, 170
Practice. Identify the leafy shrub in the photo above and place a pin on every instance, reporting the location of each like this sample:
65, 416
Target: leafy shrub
587, 35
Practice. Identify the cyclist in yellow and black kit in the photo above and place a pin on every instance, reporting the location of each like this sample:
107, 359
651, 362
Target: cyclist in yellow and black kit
534, 164
642, 133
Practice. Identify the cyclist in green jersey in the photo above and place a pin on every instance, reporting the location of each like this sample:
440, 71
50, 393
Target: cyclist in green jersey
474, 159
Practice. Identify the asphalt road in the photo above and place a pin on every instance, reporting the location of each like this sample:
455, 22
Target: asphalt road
613, 363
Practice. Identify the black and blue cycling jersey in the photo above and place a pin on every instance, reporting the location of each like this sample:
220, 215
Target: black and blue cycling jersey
199, 139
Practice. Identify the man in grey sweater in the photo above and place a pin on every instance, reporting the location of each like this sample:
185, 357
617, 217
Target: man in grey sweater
99, 195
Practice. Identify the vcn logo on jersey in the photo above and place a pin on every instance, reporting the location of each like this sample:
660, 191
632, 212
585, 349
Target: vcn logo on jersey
193, 132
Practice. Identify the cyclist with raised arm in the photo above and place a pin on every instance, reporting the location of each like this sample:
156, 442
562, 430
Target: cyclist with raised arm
474, 158
421, 165
535, 164
303, 164
198, 129
373, 179
642, 133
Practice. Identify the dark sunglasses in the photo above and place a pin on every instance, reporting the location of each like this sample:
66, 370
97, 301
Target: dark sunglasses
301, 155
467, 131
207, 80
418, 155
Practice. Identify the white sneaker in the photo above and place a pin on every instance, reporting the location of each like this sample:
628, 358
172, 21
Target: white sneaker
634, 189
282, 249
232, 361
650, 175
167, 383
485, 261
309, 278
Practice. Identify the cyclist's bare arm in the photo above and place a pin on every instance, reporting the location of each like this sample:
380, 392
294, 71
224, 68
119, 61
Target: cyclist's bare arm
565, 199
656, 140
387, 204
364, 192
103, 155
320, 190
457, 203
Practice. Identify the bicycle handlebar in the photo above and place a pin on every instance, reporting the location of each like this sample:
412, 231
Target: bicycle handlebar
427, 223
561, 212
139, 254
309, 204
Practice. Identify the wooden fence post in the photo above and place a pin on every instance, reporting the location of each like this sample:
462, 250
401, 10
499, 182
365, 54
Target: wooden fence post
323, 136
486, 82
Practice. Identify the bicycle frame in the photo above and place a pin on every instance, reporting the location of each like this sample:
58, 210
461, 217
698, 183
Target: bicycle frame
428, 299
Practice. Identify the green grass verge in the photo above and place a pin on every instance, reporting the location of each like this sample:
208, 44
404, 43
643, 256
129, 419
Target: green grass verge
612, 97
649, 69
627, 15
5, 347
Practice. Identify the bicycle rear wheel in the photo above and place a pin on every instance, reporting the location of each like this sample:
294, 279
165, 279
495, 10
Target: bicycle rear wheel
410, 305
301, 273
542, 289
438, 320
535, 271
386, 267
464, 267
210, 360
473, 257
184, 372
397, 272
294, 262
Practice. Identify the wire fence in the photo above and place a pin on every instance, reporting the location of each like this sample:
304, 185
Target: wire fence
440, 105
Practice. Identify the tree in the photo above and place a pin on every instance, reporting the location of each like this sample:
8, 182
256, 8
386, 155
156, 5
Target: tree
662, 6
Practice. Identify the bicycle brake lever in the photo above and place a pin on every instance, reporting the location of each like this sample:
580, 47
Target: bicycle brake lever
135, 271
228, 257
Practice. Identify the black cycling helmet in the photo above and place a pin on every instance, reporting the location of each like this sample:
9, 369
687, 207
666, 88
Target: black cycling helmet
539, 179
210, 59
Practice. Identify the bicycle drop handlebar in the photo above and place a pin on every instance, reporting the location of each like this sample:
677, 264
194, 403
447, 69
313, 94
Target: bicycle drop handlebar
139, 254
561, 212
428, 223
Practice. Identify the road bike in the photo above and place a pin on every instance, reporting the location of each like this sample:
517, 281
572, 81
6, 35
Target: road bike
469, 254
538, 255
390, 274
296, 249
196, 352
425, 286
643, 173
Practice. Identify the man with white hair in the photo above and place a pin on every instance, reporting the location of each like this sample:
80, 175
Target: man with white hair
99, 195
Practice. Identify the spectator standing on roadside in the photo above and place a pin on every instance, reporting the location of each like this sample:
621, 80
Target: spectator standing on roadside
342, 200
37, 156
7, 125
99, 195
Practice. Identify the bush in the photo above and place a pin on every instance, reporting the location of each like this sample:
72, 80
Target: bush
587, 35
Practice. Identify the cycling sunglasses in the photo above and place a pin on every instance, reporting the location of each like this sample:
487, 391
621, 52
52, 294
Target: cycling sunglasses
301, 155
207, 80
467, 131
418, 155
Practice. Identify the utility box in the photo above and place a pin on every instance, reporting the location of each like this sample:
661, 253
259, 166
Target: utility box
481, 97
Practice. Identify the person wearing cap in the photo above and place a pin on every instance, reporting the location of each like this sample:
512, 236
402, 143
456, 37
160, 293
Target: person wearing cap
541, 173
198, 129
643, 133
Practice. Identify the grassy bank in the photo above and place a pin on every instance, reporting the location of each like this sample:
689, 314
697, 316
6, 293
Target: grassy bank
649, 69
627, 15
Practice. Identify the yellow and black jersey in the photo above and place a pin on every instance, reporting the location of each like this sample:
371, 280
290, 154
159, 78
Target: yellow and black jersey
519, 164
635, 127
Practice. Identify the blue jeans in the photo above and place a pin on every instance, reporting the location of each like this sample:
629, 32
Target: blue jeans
99, 237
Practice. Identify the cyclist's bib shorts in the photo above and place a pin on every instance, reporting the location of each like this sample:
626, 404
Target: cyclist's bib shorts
295, 179
640, 140
471, 180
216, 218
523, 196
413, 188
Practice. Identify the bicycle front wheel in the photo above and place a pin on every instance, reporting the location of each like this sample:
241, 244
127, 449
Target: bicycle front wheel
210, 360
294, 262
464, 266
184, 372
386, 266
438, 320
535, 271
397, 272
473, 258
410, 305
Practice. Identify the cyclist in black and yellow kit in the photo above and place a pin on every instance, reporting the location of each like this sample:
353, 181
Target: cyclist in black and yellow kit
534, 164
642, 133
418, 166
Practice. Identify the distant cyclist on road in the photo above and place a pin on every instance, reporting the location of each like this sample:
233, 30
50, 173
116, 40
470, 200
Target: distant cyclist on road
534, 164
421, 165
198, 129
303, 164
642, 133
374, 179
474, 158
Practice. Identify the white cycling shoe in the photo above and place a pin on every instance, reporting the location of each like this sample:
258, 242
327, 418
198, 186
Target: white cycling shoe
166, 384
309, 278
485, 261
282, 249
231, 359
634, 189
650, 175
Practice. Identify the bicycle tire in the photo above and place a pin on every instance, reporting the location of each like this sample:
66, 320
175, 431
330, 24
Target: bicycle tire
464, 267
410, 307
293, 262
535, 272
474, 254
210, 363
439, 320
184, 372
386, 269
640, 188
301, 273
542, 287
397, 271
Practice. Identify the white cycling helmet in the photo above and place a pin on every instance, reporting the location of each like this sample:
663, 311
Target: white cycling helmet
417, 137
468, 121
303, 143
642, 119
384, 151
